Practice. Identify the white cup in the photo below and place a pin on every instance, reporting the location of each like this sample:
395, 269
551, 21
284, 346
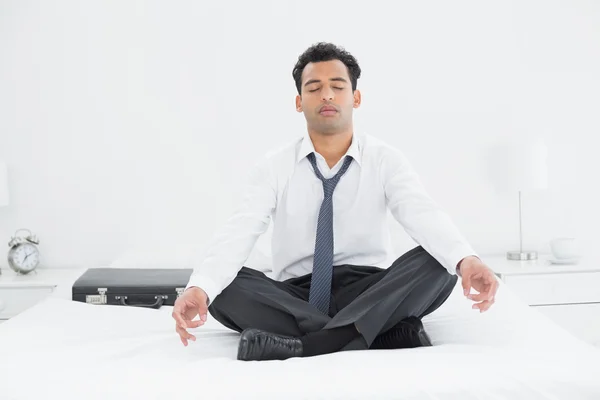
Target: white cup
564, 248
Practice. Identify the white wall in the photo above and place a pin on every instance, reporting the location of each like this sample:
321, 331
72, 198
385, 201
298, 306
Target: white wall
126, 123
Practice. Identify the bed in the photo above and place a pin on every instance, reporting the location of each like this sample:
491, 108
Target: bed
60, 349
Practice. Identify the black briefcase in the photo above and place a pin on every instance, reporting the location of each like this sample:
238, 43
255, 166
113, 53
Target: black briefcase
138, 287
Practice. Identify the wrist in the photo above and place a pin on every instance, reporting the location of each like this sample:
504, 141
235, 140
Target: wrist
200, 291
466, 259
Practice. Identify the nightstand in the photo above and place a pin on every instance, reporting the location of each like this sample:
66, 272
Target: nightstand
567, 294
19, 292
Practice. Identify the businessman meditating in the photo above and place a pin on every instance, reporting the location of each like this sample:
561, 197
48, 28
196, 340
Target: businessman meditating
327, 194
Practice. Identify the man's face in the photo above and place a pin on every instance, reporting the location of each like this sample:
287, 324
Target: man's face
326, 97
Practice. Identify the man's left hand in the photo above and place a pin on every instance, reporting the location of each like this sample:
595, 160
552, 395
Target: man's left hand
475, 274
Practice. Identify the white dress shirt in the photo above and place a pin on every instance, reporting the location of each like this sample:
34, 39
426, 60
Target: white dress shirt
284, 188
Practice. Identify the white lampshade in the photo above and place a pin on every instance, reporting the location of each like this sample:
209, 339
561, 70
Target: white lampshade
3, 185
520, 166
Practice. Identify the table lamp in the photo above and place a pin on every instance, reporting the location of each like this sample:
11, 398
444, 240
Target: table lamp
521, 167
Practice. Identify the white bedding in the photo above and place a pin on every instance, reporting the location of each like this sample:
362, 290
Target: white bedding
61, 349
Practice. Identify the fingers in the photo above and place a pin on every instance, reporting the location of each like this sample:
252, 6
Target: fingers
494, 287
487, 290
178, 316
480, 296
487, 287
484, 305
184, 335
486, 298
466, 284
195, 324
483, 291
182, 323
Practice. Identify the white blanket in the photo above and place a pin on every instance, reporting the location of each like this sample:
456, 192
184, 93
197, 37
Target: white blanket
61, 349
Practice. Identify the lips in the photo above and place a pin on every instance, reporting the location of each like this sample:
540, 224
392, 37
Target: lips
327, 110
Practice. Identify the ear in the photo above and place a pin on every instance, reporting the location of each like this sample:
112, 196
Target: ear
357, 99
298, 103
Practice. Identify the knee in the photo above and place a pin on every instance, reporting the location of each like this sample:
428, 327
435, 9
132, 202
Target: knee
225, 307
426, 262
421, 256
233, 294
437, 272
436, 268
229, 294
432, 263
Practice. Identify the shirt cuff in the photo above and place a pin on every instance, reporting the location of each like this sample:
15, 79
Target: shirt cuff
205, 283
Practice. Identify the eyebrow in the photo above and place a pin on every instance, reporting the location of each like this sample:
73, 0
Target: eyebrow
339, 79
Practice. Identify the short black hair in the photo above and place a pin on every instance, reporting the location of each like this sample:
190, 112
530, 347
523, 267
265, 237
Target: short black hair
323, 51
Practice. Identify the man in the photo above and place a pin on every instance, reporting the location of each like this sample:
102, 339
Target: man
333, 186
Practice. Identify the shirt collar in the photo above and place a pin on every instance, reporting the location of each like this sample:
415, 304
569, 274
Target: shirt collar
307, 147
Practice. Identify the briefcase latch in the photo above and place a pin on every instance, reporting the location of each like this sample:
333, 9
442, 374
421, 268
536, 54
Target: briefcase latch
99, 298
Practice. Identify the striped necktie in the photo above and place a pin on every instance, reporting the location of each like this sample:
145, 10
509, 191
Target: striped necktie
320, 285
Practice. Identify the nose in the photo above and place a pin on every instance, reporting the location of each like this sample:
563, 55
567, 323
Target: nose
327, 94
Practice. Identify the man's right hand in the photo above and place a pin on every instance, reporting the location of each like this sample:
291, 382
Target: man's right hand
187, 306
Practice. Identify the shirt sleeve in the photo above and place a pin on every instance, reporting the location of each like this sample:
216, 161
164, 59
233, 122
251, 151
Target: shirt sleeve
418, 213
231, 246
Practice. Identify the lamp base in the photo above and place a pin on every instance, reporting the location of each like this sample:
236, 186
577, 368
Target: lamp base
522, 255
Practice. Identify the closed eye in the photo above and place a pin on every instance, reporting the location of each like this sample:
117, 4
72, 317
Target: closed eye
335, 87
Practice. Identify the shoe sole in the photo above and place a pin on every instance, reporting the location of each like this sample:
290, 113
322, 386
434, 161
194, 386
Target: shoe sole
425, 340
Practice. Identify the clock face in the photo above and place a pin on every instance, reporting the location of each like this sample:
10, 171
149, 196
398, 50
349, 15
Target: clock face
25, 257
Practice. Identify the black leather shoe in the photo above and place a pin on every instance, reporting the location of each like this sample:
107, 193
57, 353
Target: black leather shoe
417, 335
261, 345
408, 333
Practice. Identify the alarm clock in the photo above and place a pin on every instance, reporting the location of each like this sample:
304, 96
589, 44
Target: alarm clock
24, 255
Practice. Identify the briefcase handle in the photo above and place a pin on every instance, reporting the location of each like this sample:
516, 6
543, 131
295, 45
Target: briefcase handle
157, 304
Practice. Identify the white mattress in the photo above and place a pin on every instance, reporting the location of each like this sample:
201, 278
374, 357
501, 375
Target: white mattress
61, 349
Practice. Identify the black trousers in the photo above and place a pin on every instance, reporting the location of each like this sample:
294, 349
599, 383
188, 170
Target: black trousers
374, 299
